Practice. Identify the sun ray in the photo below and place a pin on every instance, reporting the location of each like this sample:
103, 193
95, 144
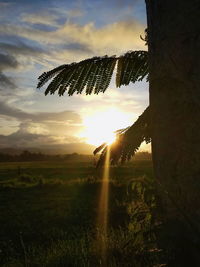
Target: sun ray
102, 220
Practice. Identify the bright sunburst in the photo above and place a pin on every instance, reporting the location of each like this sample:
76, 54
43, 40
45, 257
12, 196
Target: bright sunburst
100, 126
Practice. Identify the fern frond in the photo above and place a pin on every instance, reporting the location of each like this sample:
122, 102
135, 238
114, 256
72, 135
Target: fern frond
132, 67
128, 141
46, 76
94, 74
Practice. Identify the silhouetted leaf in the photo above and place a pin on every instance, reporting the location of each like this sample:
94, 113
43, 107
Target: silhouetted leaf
95, 74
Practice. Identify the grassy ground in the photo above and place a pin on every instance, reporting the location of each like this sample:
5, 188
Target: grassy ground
49, 212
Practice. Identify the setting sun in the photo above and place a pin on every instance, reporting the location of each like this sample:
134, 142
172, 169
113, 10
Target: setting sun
100, 127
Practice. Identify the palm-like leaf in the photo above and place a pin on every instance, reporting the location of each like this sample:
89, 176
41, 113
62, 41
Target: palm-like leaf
94, 74
132, 67
128, 140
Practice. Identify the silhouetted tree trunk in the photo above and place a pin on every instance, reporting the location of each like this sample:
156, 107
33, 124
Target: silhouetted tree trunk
174, 51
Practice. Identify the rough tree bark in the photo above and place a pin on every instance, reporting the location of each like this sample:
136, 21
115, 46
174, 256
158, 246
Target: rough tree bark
174, 54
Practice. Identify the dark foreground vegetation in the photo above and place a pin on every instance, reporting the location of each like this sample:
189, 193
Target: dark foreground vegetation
49, 216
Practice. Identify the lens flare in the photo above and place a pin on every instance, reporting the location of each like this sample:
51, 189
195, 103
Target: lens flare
102, 220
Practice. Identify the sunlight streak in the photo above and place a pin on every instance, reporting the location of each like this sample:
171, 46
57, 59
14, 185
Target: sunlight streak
102, 220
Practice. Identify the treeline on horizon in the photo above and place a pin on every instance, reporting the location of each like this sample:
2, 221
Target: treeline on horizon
38, 156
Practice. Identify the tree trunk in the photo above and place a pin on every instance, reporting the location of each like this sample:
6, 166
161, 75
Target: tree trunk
174, 54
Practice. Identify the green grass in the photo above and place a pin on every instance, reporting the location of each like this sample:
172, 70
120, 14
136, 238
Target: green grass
71, 171
49, 213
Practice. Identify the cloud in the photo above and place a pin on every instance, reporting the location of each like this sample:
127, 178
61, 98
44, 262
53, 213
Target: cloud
20, 48
39, 129
26, 55
6, 83
75, 47
9, 52
42, 18
32, 135
51, 16
117, 37
64, 116
70, 42
7, 62
24, 138
46, 144
73, 13
113, 38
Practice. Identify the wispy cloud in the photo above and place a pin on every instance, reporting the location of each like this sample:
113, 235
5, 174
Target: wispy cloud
43, 18
65, 116
7, 62
18, 47
113, 38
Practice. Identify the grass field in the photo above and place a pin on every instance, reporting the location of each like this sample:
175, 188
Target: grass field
49, 212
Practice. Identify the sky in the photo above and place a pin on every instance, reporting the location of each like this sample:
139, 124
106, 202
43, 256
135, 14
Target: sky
36, 36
